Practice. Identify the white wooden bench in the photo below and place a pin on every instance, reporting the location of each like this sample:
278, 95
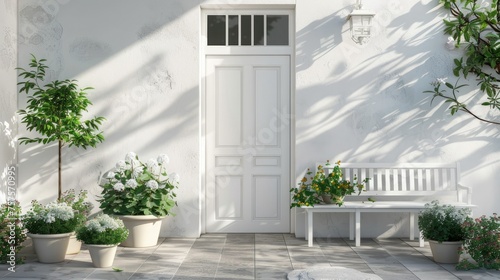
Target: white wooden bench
395, 187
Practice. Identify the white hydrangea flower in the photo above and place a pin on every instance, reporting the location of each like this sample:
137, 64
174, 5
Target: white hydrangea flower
163, 159
175, 177
131, 183
152, 184
121, 165
119, 187
110, 175
131, 156
136, 172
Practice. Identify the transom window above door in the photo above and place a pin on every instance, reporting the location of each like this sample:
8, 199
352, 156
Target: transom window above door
247, 30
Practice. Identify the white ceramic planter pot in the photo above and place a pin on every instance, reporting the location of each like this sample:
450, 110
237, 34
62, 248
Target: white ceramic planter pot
445, 252
144, 230
50, 248
74, 245
102, 255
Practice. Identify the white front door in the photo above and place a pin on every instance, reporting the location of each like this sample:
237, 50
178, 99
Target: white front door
248, 143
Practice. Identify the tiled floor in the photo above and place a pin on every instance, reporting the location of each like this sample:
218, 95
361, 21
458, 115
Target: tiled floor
251, 256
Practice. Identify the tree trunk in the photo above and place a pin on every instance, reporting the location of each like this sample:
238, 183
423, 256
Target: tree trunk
59, 193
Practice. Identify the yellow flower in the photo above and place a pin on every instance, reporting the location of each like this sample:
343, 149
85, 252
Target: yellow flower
304, 180
338, 162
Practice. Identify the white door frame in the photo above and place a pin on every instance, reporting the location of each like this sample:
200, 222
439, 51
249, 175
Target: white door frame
241, 50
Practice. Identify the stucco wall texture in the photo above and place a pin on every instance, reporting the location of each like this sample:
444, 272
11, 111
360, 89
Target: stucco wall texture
352, 102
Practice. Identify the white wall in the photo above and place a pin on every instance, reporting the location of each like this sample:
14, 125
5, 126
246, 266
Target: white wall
353, 103
142, 59
365, 103
8, 98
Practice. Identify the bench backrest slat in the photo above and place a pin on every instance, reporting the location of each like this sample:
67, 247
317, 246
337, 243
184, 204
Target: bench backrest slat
403, 178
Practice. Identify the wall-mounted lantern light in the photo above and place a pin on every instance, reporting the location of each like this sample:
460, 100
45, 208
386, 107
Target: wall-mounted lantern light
361, 23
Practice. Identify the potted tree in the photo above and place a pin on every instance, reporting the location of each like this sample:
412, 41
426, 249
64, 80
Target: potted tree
141, 194
442, 226
102, 235
54, 110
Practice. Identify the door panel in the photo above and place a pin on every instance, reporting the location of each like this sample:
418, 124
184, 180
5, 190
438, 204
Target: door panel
248, 143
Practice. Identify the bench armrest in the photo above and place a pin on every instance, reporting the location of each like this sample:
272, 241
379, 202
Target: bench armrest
468, 190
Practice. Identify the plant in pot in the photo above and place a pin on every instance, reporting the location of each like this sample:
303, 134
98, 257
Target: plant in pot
325, 188
12, 232
80, 206
50, 226
55, 111
101, 236
482, 243
441, 224
141, 194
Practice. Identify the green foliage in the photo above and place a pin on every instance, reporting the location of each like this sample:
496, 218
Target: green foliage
55, 111
12, 231
78, 203
52, 218
475, 26
137, 188
442, 222
311, 189
102, 230
482, 242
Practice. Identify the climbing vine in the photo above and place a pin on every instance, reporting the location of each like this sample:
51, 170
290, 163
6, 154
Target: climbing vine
473, 25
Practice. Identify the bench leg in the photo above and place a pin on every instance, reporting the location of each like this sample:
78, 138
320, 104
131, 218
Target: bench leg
412, 226
358, 228
310, 228
351, 225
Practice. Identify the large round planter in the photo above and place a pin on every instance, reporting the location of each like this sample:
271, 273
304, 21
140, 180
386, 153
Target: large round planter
74, 245
144, 230
445, 252
102, 255
50, 248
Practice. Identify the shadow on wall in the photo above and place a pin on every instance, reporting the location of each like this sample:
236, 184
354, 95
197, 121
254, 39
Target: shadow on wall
129, 53
374, 110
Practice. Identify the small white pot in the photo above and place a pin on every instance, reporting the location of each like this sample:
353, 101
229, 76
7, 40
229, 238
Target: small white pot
102, 255
446, 251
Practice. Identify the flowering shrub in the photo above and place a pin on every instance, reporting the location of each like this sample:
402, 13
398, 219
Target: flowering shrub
78, 204
12, 232
102, 230
482, 242
52, 218
310, 191
136, 188
442, 222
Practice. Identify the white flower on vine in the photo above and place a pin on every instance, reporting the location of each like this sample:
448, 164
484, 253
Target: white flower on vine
441, 80
110, 175
451, 44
